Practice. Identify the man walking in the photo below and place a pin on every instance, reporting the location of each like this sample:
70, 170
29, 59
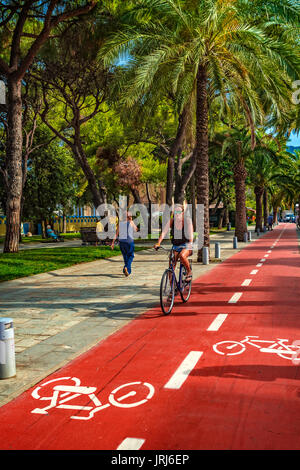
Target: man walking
125, 232
270, 222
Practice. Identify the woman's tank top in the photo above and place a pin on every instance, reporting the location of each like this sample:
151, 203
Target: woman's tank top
180, 239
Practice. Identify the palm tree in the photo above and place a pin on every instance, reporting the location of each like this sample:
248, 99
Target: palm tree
286, 182
209, 47
261, 166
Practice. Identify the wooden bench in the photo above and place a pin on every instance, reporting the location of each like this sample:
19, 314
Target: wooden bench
89, 237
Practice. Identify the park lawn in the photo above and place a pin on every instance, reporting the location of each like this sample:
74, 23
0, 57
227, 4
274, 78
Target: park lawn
40, 239
42, 260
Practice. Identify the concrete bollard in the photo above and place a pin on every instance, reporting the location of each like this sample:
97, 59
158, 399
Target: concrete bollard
205, 255
245, 237
217, 250
228, 227
7, 349
257, 232
235, 242
249, 236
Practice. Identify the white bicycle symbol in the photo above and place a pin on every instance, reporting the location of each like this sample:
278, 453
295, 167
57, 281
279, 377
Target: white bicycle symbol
279, 347
61, 394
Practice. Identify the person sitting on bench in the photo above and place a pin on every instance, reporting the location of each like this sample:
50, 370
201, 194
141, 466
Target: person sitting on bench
51, 233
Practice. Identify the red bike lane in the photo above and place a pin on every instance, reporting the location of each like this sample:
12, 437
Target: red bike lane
212, 375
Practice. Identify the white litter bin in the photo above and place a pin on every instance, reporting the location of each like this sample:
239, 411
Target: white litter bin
7, 349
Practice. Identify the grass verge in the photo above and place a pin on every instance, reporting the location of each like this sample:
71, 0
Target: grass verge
42, 260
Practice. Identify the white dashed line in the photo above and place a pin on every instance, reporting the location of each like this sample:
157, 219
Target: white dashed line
235, 297
259, 265
246, 282
262, 260
254, 271
218, 321
182, 373
131, 443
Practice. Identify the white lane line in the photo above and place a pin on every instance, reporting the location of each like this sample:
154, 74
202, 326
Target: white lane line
259, 265
182, 373
246, 282
254, 271
262, 260
218, 321
235, 297
270, 251
131, 443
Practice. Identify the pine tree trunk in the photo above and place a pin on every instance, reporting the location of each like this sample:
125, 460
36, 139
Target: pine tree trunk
202, 174
170, 180
14, 170
240, 175
175, 150
80, 156
193, 197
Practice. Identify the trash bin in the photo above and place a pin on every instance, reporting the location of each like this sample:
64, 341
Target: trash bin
7, 349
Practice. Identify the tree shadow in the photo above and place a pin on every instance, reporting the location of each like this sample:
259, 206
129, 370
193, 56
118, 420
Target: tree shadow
257, 372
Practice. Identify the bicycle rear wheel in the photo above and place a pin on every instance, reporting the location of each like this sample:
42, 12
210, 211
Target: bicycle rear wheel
167, 292
186, 286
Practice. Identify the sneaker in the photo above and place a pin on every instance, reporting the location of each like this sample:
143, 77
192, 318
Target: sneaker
126, 272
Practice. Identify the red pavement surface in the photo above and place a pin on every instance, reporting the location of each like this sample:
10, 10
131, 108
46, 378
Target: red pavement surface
245, 398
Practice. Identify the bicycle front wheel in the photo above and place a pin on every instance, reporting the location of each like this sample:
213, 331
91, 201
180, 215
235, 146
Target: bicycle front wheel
186, 286
167, 292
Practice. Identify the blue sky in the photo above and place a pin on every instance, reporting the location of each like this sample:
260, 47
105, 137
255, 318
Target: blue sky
295, 140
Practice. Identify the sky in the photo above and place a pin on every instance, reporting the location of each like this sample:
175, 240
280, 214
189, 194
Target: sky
295, 140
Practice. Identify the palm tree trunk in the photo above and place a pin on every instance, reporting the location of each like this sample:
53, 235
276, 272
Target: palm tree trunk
258, 190
15, 173
266, 209
240, 175
202, 175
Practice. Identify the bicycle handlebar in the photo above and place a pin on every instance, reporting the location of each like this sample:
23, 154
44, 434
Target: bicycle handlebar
163, 248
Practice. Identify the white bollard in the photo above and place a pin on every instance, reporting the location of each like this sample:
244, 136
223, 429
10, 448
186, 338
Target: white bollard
217, 250
245, 237
235, 242
249, 236
205, 255
7, 349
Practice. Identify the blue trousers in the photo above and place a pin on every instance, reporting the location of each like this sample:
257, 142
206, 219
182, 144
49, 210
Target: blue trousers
127, 250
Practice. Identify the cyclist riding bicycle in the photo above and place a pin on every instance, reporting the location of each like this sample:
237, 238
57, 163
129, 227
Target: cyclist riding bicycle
181, 236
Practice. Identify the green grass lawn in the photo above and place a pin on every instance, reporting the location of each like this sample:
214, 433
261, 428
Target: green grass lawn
29, 262
39, 238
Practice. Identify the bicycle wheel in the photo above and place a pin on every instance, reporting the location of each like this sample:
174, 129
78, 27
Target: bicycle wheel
186, 286
229, 348
167, 292
142, 391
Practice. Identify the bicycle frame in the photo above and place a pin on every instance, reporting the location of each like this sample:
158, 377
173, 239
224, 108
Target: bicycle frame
172, 265
273, 344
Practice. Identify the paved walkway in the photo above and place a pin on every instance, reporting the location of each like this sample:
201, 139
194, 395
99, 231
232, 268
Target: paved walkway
60, 314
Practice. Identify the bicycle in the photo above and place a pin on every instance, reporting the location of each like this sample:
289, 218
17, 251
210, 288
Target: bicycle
279, 347
169, 284
64, 392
